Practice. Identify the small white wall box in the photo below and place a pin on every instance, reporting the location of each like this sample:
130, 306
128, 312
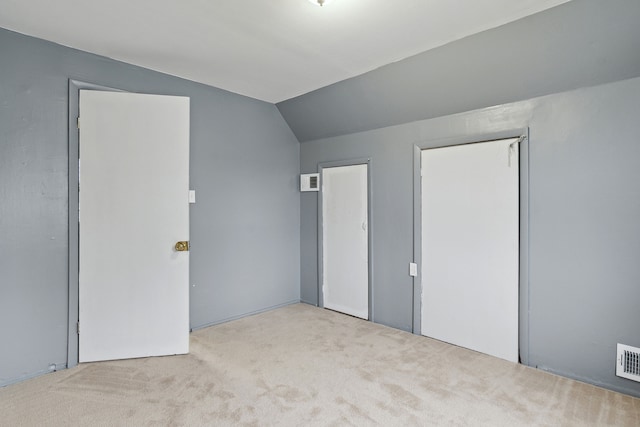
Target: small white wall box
309, 182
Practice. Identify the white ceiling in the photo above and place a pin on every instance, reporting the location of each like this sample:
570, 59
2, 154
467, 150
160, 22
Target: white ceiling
271, 50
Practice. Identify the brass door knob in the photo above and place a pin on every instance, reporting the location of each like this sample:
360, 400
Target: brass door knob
182, 246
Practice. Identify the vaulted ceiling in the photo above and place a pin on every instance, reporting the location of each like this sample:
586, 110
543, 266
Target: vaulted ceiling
271, 50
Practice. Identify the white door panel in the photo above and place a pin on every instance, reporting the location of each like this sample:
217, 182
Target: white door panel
470, 246
345, 251
134, 184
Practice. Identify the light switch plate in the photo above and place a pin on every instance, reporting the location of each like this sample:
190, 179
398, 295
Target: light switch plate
192, 196
413, 269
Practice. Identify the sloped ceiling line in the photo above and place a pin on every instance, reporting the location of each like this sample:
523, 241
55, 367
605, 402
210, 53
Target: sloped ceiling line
270, 50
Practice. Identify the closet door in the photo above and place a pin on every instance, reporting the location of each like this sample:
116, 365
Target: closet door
470, 246
345, 240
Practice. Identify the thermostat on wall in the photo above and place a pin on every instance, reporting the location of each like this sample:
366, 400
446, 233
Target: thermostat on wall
309, 182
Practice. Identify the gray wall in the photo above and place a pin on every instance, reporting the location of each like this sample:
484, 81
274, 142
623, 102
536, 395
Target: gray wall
584, 194
244, 228
577, 44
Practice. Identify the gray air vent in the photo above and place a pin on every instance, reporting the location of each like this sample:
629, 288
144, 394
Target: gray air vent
628, 362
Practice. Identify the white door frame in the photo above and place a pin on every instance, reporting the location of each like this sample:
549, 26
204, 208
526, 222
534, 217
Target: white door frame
321, 166
523, 316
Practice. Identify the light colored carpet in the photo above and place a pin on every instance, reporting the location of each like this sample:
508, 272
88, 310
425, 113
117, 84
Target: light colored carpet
300, 365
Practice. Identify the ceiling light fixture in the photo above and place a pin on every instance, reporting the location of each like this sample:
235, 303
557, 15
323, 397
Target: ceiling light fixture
320, 2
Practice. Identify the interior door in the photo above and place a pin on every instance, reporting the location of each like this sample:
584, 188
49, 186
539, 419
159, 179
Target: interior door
134, 184
470, 246
345, 240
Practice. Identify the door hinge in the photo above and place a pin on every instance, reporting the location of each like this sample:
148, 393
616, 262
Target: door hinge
78, 328
78, 122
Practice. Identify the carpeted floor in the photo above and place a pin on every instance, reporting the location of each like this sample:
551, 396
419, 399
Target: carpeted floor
300, 365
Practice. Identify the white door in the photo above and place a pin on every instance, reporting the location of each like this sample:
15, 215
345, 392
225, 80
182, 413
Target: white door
470, 230
134, 185
345, 240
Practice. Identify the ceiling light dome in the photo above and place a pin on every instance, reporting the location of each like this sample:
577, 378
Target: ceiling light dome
320, 2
